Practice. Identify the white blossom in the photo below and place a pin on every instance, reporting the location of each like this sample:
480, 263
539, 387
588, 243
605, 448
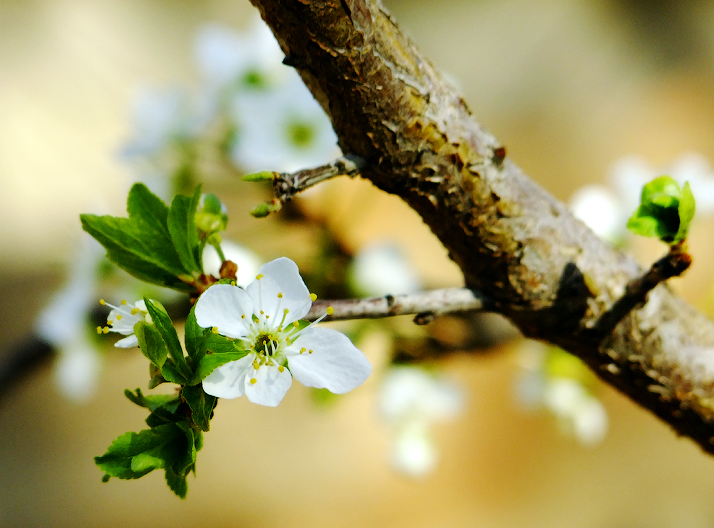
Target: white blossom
264, 317
122, 319
411, 400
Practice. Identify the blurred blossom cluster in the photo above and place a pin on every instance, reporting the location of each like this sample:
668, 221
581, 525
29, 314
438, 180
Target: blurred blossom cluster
247, 103
411, 400
606, 208
555, 381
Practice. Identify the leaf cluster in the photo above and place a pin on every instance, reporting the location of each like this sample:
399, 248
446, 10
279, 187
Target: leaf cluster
176, 422
666, 211
156, 243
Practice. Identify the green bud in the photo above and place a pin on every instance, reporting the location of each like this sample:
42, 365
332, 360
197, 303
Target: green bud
260, 176
264, 209
211, 214
665, 211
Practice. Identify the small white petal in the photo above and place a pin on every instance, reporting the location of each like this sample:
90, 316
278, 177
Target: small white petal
127, 342
281, 276
270, 386
228, 381
222, 305
335, 363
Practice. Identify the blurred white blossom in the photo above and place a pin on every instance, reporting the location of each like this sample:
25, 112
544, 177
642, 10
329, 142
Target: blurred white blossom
77, 369
411, 400
281, 129
63, 324
381, 269
553, 380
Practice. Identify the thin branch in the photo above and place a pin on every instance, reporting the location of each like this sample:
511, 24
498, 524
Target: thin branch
671, 265
287, 185
425, 305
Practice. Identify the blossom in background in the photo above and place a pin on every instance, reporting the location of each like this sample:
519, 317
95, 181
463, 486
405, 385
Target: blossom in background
63, 324
264, 317
606, 208
382, 269
553, 380
281, 129
230, 60
77, 369
122, 319
411, 400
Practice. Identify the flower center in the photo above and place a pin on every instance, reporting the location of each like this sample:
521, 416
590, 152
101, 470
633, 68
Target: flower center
266, 344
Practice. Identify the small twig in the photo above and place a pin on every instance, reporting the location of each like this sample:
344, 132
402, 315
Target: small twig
426, 305
287, 185
671, 265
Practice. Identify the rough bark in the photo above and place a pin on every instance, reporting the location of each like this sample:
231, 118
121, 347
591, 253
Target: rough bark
513, 241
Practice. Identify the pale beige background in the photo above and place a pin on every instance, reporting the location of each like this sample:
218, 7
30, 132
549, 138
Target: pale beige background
567, 86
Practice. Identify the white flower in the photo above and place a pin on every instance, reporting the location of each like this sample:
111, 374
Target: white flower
411, 400
579, 413
264, 317
122, 320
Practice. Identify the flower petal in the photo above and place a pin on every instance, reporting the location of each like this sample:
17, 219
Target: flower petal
335, 363
228, 380
222, 305
270, 385
127, 342
280, 276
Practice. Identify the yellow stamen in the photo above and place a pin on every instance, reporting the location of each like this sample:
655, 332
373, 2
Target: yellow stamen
99, 329
259, 276
214, 329
102, 302
105, 329
242, 316
255, 364
134, 311
330, 310
253, 381
280, 295
109, 321
313, 297
118, 317
281, 368
309, 351
302, 350
123, 301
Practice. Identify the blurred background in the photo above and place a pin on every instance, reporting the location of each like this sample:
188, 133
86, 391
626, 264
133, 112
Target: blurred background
569, 87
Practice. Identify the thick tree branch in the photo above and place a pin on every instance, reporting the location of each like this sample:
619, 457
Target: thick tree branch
514, 242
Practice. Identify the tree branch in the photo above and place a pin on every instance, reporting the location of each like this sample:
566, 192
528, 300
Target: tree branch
425, 305
513, 241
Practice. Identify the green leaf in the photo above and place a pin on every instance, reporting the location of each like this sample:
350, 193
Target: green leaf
165, 327
219, 350
182, 229
201, 405
171, 447
151, 343
195, 338
164, 408
211, 362
665, 211
141, 244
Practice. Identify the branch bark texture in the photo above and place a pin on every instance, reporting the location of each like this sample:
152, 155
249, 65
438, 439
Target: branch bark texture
514, 242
